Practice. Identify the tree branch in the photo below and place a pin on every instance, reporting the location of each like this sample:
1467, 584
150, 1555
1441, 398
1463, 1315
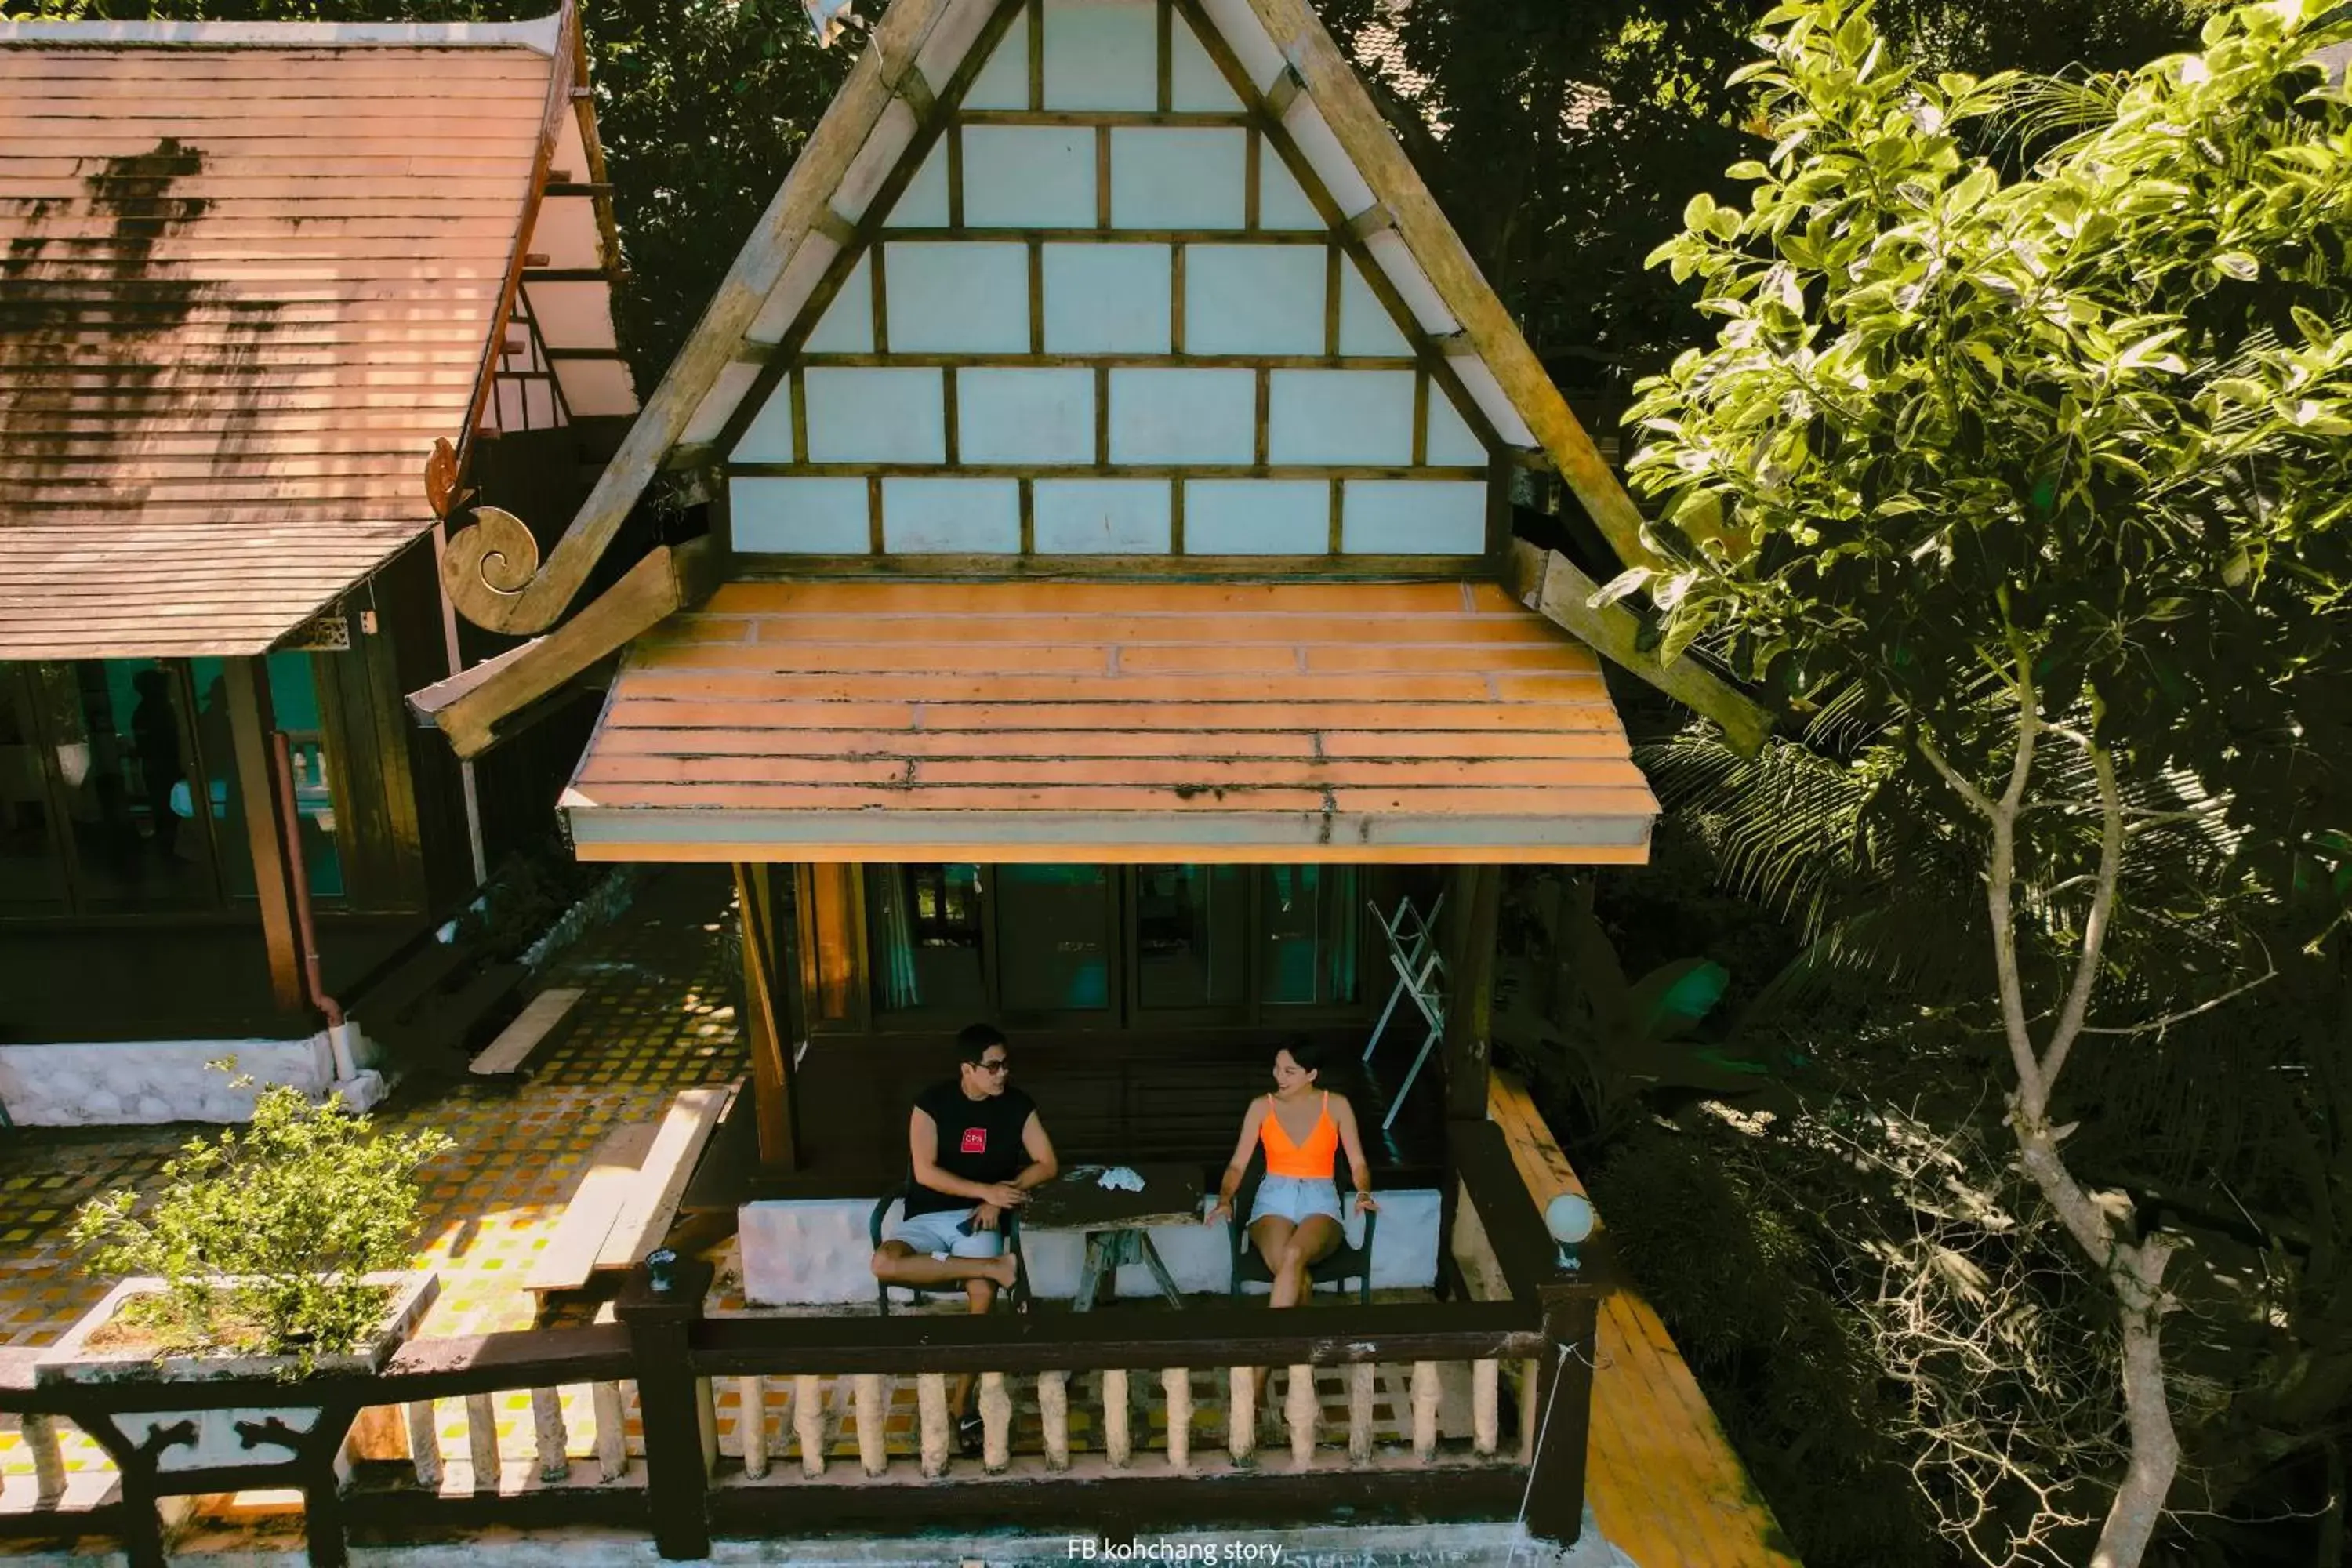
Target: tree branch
2094, 927
2171, 1018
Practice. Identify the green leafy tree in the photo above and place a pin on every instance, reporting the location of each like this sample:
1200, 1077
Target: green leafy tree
2049, 468
263, 1235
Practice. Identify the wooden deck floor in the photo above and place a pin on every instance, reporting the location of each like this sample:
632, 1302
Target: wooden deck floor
1662, 1481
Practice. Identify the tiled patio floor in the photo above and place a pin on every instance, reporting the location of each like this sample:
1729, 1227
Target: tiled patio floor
655, 1019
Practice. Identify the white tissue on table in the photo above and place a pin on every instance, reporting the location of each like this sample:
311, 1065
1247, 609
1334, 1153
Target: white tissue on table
1119, 1179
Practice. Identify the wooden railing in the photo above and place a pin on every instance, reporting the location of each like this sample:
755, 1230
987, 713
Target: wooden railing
1094, 1413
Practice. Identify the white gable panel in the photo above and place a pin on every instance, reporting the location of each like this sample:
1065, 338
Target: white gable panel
1003, 81
1257, 517
957, 298
1340, 416
1413, 517
951, 516
596, 386
1029, 176
1282, 200
862, 414
768, 439
1246, 36
1253, 298
1183, 416
848, 325
1365, 325
1195, 84
1102, 53
1023, 416
1167, 176
1450, 439
1107, 299
798, 516
924, 202
1102, 517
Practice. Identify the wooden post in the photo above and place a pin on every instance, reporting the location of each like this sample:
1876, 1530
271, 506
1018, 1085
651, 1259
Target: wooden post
1474, 900
49, 1460
873, 1423
1241, 1414
1425, 1396
246, 683
1563, 1411
678, 1477
1301, 1408
996, 1423
1359, 1413
1054, 1416
771, 998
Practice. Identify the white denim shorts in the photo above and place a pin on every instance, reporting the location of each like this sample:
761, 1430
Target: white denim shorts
1295, 1198
936, 1233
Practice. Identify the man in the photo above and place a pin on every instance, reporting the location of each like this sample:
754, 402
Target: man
976, 1149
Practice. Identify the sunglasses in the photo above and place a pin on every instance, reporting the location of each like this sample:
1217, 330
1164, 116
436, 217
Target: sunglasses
1001, 1064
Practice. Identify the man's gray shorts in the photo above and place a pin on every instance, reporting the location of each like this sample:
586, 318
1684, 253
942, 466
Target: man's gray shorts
936, 1233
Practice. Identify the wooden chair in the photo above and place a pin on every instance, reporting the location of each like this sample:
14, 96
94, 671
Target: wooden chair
1347, 1260
1017, 1299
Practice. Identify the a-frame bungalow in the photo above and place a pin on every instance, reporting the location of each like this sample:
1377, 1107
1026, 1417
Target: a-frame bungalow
252, 273
1108, 621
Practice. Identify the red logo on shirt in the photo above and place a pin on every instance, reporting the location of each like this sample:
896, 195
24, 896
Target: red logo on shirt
975, 1139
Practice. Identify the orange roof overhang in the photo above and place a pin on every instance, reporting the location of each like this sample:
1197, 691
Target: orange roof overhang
848, 720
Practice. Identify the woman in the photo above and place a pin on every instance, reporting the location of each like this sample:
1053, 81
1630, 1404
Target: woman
1294, 1221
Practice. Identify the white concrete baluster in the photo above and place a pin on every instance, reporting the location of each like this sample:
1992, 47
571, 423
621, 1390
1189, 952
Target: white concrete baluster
1425, 1410
48, 1459
1118, 1441
931, 1400
548, 1432
873, 1413
1054, 1414
482, 1439
1241, 1414
611, 1432
1486, 1406
423, 1443
808, 1422
752, 1423
995, 1422
1302, 1409
1178, 1382
1360, 1378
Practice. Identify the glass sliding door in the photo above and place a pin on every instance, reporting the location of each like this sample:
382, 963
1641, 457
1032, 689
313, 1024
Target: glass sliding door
1191, 937
32, 848
1053, 939
923, 939
1308, 952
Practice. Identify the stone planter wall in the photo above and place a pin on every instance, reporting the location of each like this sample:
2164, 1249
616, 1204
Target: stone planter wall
109, 1083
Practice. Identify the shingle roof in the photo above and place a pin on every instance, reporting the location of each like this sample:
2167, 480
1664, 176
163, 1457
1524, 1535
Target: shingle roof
251, 274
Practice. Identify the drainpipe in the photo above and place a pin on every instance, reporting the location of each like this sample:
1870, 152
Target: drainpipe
289, 822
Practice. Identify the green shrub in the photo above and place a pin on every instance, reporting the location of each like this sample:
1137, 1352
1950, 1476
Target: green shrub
262, 1234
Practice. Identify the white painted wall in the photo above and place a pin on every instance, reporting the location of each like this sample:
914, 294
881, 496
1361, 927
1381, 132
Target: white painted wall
817, 1252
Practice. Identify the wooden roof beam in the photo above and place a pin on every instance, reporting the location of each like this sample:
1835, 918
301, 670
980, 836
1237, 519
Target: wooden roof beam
492, 570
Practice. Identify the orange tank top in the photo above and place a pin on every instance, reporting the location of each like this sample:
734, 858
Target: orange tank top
1314, 1160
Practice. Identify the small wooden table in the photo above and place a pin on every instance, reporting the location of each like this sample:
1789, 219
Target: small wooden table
1116, 1224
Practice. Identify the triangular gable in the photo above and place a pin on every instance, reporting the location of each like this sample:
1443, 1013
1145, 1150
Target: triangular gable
1301, 112
1295, 86
1105, 310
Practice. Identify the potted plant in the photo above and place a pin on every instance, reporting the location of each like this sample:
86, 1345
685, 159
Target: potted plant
280, 1249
